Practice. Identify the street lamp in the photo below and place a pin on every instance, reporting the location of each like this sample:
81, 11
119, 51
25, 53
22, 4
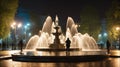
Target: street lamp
14, 26
102, 39
26, 29
118, 29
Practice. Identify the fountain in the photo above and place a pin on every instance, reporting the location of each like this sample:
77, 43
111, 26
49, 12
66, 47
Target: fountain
49, 45
56, 44
52, 37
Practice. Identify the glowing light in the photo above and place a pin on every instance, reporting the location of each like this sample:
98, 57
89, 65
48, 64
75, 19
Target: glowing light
19, 25
118, 28
25, 27
29, 34
13, 25
99, 35
28, 24
76, 25
105, 34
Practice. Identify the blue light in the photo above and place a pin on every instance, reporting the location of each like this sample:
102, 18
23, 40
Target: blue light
29, 34
0, 41
25, 27
105, 34
28, 24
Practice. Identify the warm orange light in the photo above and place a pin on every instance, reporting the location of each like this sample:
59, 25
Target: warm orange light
19, 25
76, 25
118, 28
13, 25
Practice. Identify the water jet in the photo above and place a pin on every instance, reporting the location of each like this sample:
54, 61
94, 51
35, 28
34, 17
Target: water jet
50, 45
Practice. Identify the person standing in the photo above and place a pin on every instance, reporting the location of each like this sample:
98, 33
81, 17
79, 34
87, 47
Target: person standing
68, 42
108, 46
21, 46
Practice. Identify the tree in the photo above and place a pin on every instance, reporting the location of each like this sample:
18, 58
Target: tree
113, 20
90, 21
7, 13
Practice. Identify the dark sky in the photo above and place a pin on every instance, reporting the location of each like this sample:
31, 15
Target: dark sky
62, 7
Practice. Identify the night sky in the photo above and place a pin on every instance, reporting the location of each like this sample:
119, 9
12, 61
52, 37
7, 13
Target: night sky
62, 7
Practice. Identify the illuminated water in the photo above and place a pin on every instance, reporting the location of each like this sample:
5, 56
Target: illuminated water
46, 37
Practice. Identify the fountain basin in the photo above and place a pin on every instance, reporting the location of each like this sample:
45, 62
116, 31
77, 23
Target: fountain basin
23, 58
60, 49
63, 56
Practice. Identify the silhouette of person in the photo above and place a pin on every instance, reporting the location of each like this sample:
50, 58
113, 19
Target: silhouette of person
21, 45
108, 46
68, 43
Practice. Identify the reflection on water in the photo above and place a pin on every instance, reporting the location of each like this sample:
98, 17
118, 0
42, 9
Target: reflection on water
110, 62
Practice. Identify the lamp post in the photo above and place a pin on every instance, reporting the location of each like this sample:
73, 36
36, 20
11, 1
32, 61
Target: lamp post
118, 29
14, 27
26, 31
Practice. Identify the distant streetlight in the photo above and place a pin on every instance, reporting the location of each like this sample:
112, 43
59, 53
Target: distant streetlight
29, 34
102, 39
99, 35
28, 24
26, 27
105, 34
19, 25
14, 26
118, 29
